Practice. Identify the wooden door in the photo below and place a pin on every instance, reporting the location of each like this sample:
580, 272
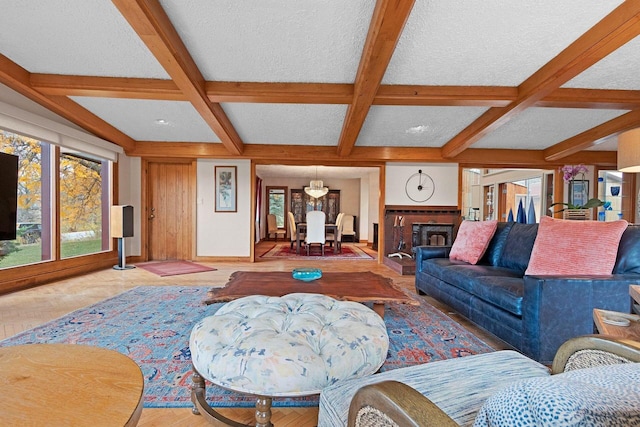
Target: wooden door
169, 210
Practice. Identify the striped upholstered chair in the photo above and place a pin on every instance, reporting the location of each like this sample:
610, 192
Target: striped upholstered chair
597, 375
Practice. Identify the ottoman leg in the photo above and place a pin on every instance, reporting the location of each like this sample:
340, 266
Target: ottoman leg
201, 407
263, 412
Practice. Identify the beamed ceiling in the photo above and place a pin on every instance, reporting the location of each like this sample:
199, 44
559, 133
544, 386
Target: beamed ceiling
495, 82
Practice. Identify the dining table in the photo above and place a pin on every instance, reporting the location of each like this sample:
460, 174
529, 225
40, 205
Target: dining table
301, 228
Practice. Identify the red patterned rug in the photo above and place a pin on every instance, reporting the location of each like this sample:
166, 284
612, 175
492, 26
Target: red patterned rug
174, 268
283, 250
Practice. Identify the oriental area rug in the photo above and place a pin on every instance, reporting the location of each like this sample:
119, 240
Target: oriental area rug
151, 325
283, 250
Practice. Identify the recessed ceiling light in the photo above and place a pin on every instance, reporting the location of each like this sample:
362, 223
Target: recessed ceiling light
417, 129
162, 122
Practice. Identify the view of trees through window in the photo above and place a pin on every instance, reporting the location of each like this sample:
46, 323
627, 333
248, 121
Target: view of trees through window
276, 200
80, 205
82, 192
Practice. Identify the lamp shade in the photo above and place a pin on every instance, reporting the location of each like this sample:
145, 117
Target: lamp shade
629, 151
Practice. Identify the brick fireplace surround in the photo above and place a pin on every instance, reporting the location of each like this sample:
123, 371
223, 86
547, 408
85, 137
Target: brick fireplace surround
423, 225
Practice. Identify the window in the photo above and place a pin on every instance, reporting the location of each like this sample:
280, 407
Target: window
33, 242
83, 200
82, 208
276, 204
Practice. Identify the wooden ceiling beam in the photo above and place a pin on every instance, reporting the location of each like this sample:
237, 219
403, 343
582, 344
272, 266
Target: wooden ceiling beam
387, 23
107, 87
593, 136
613, 31
476, 96
328, 93
360, 156
19, 79
608, 99
153, 26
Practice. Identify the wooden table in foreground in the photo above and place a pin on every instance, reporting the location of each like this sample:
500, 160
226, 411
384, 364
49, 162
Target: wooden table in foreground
68, 385
632, 331
362, 286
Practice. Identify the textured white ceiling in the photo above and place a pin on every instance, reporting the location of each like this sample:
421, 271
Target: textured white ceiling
500, 42
77, 37
619, 70
137, 118
411, 126
539, 128
274, 41
311, 172
445, 42
291, 124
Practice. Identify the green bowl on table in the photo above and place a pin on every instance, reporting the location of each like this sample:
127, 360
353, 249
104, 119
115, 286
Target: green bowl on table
306, 274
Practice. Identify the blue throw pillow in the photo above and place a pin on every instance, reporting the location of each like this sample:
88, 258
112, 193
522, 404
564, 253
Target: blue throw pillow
601, 396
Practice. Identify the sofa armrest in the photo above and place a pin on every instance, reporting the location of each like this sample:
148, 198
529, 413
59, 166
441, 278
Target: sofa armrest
388, 402
595, 350
428, 252
558, 308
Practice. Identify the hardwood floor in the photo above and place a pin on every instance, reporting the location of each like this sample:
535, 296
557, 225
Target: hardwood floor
26, 309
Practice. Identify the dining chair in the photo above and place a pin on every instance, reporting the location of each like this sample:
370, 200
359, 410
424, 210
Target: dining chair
272, 227
331, 238
347, 227
315, 230
293, 230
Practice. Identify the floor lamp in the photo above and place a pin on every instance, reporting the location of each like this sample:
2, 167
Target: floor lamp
121, 227
629, 157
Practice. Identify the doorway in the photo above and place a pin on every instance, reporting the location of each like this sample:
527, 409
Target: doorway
170, 187
277, 205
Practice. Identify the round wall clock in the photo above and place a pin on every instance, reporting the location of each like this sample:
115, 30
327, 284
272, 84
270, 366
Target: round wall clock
419, 187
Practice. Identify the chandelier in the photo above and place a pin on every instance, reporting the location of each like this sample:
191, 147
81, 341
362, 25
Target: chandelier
315, 188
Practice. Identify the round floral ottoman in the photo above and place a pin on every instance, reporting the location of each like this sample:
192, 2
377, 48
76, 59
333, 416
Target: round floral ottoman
287, 346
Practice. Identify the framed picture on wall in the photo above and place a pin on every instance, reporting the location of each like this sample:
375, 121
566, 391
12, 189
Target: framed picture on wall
578, 192
226, 189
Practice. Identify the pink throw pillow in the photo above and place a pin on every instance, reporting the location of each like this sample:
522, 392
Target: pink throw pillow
472, 240
569, 247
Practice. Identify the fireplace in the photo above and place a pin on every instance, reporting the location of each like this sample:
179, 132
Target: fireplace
431, 234
408, 226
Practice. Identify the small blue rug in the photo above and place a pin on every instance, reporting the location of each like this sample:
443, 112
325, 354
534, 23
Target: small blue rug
152, 325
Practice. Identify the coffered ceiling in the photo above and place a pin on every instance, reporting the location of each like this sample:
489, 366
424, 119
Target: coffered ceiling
496, 82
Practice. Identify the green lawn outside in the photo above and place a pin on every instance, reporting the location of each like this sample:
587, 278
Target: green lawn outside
29, 254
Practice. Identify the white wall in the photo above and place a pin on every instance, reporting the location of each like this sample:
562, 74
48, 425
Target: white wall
372, 206
223, 234
444, 175
130, 193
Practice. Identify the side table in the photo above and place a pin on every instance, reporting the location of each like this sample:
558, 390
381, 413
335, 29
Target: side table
632, 331
68, 385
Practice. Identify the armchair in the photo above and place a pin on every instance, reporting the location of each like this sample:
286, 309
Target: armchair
393, 403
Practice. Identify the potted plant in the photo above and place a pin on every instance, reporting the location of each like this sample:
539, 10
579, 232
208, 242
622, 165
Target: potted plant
579, 206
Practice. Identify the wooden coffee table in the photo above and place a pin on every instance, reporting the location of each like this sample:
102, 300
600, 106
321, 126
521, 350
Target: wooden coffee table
363, 286
68, 384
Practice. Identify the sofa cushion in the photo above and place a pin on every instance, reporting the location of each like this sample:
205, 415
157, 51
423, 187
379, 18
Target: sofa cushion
628, 261
472, 240
496, 245
504, 292
567, 247
517, 248
464, 276
601, 396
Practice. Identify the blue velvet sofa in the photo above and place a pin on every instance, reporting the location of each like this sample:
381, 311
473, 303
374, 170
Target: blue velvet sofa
534, 314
